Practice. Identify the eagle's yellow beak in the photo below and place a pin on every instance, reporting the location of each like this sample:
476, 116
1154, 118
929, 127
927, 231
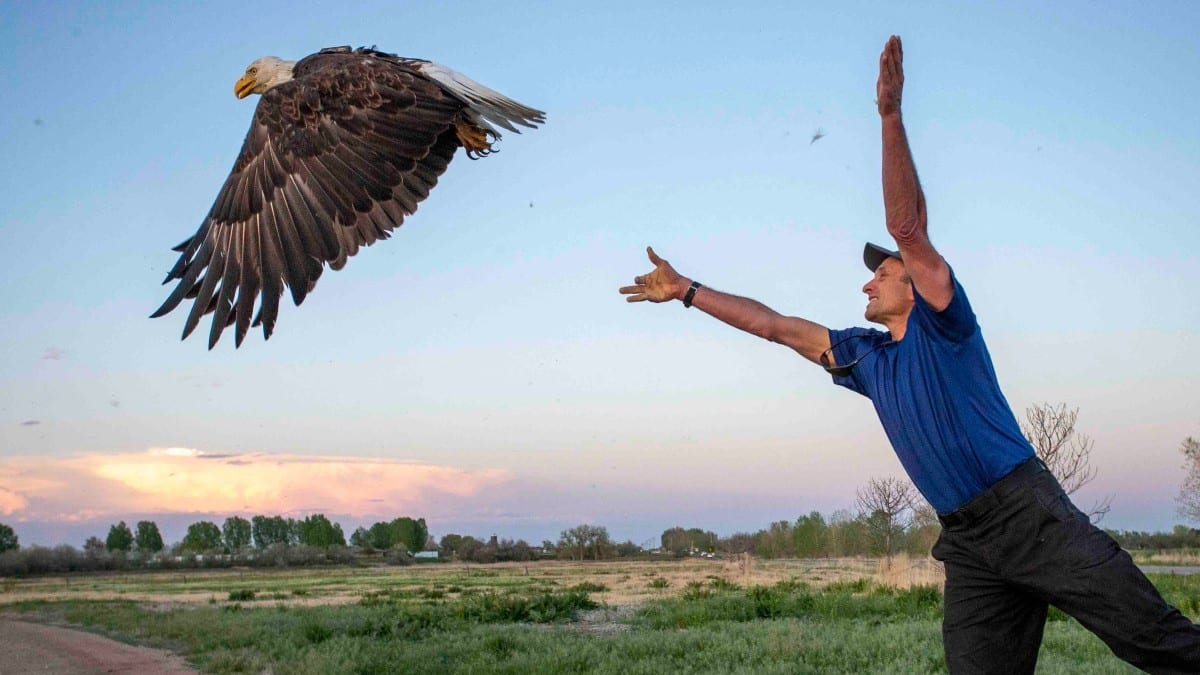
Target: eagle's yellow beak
244, 86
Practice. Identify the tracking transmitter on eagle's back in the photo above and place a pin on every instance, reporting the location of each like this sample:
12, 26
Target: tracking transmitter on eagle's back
343, 145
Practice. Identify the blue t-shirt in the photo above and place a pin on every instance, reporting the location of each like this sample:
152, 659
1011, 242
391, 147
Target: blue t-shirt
936, 393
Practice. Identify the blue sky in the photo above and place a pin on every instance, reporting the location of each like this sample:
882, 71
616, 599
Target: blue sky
482, 361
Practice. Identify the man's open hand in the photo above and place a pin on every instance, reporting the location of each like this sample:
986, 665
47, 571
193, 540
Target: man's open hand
891, 78
661, 284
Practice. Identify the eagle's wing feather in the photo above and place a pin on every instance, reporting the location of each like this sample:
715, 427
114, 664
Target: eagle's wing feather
334, 159
487, 104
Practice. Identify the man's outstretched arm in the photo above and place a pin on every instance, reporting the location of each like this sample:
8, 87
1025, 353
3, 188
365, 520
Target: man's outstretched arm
903, 200
663, 284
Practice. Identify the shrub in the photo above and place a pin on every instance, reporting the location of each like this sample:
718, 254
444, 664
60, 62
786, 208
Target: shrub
13, 564
856, 586
721, 584
695, 590
543, 608
315, 632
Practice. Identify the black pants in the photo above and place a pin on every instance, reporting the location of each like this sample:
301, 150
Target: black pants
1021, 546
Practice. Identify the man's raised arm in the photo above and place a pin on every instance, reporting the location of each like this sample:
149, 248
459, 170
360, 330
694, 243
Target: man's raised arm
903, 200
663, 284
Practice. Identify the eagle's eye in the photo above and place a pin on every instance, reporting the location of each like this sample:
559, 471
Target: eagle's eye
252, 71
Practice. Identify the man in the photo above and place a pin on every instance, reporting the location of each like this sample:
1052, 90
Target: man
1011, 540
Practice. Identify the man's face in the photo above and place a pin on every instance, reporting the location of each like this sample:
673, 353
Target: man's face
889, 292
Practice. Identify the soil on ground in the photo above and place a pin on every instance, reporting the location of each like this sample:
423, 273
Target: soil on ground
27, 647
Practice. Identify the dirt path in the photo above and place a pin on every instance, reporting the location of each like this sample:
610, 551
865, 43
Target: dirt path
36, 648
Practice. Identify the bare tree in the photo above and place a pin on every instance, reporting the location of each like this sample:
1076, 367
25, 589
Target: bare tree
580, 541
883, 504
1066, 451
925, 527
1189, 494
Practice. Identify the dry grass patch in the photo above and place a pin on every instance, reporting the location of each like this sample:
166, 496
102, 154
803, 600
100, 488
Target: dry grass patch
904, 571
631, 582
1187, 557
615, 583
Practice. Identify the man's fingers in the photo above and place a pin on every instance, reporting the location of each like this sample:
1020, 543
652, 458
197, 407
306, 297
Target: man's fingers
637, 293
653, 256
892, 58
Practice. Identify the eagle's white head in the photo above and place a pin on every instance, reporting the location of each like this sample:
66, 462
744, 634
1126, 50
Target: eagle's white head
262, 74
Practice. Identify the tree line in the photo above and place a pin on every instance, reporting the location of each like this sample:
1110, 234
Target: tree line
889, 518
279, 542
260, 540
236, 534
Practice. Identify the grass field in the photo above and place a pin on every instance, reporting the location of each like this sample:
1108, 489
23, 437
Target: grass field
691, 616
624, 582
1189, 557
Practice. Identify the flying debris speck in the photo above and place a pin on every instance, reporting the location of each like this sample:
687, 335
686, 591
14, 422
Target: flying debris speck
817, 135
31, 423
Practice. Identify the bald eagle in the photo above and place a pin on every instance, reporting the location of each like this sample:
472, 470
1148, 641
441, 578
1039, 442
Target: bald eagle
343, 145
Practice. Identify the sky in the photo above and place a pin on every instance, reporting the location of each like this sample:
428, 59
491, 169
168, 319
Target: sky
480, 370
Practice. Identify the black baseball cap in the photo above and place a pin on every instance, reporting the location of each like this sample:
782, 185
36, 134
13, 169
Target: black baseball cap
874, 255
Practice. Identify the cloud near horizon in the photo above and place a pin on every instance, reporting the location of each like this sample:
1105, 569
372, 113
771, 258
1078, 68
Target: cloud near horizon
11, 502
185, 480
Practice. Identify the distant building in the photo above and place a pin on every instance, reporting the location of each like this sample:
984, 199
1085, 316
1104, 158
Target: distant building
426, 555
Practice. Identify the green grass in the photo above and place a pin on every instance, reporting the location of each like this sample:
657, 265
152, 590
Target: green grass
711, 626
700, 605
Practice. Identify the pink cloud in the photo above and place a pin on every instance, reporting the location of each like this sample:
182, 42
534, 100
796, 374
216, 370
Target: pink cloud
184, 480
11, 502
